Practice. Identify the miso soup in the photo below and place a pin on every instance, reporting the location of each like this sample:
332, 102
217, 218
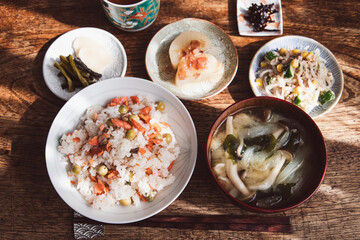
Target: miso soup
259, 157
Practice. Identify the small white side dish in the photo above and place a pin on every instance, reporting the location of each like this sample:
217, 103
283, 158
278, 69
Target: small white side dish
63, 45
100, 94
244, 26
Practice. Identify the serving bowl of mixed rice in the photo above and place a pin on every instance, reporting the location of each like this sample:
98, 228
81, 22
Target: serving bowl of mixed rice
121, 150
299, 70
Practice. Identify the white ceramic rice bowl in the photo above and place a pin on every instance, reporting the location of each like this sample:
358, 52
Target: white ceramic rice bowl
100, 94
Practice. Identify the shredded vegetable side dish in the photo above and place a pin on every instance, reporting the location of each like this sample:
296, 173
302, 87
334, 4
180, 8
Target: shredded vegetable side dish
297, 76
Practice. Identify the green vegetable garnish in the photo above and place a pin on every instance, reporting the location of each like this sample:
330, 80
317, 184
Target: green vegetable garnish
326, 96
289, 73
270, 56
268, 80
230, 145
297, 101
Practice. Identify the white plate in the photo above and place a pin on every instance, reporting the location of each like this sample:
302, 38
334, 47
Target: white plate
158, 61
244, 26
100, 94
299, 42
63, 46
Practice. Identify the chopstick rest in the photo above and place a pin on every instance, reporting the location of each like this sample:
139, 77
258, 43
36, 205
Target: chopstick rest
86, 229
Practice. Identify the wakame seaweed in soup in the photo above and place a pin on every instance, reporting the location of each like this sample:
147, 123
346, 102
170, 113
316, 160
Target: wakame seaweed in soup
258, 156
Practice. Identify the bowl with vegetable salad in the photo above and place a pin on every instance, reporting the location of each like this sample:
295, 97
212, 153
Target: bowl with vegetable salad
299, 70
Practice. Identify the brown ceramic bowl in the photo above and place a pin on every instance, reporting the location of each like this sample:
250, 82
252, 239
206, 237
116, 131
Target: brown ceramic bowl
313, 137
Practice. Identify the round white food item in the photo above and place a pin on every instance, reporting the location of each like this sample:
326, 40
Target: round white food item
181, 43
93, 54
212, 72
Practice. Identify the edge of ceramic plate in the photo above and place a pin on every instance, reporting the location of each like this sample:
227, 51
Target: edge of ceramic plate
337, 98
160, 209
208, 22
121, 47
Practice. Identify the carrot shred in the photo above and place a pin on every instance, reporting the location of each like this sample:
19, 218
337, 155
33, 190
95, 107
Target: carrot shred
112, 173
142, 151
137, 165
149, 171
102, 127
120, 123
149, 146
146, 110
99, 188
165, 124
108, 146
77, 140
135, 99
94, 141
105, 135
96, 151
153, 135
171, 165
141, 196
91, 160
73, 182
156, 141
95, 117
92, 178
148, 158
156, 127
138, 126
145, 118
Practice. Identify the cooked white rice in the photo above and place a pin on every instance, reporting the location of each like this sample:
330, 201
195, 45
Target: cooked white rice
140, 175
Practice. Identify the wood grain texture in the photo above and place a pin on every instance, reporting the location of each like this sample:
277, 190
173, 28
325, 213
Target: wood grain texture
30, 207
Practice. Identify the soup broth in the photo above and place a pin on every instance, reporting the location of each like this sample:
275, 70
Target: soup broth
259, 157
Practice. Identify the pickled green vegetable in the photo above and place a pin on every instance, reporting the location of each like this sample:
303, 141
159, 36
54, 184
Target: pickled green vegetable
76, 71
68, 79
326, 97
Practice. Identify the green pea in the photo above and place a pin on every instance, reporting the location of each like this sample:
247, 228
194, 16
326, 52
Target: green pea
125, 202
109, 123
130, 134
160, 106
76, 169
158, 136
102, 170
123, 109
135, 117
150, 197
168, 138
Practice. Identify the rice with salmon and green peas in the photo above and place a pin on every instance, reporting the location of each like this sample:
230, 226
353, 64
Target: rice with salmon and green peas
121, 154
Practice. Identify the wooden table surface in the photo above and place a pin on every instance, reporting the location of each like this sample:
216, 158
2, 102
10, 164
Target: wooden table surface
31, 209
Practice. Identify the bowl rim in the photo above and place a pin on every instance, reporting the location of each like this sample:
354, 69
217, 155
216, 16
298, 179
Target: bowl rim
101, 218
208, 22
337, 98
241, 203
